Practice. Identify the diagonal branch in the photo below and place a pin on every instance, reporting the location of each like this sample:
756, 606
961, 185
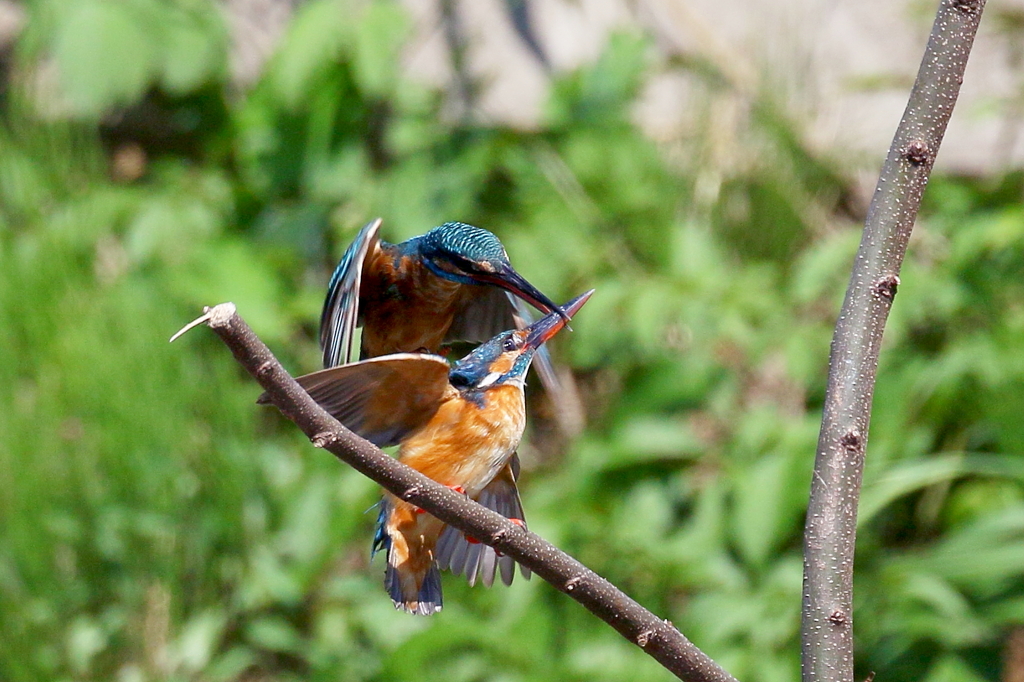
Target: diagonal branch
658, 638
826, 631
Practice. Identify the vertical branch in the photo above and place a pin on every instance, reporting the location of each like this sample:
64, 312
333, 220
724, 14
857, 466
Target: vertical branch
826, 630
828, 540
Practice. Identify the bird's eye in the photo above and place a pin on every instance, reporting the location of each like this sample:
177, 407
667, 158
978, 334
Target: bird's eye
509, 344
447, 266
467, 266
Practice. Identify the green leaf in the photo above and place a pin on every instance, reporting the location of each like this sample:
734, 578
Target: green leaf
229, 270
380, 36
651, 439
104, 56
194, 50
315, 40
195, 646
913, 476
274, 634
762, 516
825, 267
952, 668
86, 638
984, 556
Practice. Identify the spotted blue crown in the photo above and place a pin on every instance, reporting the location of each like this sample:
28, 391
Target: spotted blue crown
461, 241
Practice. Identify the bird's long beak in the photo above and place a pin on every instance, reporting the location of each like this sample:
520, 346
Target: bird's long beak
511, 281
546, 327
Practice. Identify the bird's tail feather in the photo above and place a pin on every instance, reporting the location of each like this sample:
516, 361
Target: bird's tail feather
424, 602
401, 583
455, 553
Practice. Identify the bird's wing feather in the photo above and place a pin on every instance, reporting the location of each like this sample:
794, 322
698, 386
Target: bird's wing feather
485, 312
455, 553
382, 399
340, 315
473, 560
454, 547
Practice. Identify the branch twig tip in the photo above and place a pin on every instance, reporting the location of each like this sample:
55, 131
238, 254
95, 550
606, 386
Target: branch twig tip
217, 315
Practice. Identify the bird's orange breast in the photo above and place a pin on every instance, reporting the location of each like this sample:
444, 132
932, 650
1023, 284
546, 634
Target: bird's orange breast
465, 444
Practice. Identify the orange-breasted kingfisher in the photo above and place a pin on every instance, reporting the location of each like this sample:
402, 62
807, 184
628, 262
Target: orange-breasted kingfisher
457, 424
454, 283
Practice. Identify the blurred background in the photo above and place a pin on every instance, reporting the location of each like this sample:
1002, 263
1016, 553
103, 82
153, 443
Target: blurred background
705, 165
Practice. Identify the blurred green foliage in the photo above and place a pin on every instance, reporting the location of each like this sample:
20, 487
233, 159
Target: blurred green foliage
157, 525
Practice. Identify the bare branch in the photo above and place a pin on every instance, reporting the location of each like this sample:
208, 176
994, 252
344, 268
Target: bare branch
827, 628
658, 638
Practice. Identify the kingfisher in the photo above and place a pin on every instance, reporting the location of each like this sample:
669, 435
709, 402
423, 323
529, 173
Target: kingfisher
454, 283
457, 424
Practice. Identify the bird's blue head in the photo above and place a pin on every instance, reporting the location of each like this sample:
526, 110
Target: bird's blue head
470, 255
506, 358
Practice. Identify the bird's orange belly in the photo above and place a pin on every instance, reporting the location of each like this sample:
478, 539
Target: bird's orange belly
466, 445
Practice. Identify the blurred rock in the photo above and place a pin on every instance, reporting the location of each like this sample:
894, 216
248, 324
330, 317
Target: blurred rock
256, 26
12, 18
842, 70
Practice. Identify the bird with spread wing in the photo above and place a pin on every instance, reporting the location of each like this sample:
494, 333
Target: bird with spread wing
454, 283
459, 425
